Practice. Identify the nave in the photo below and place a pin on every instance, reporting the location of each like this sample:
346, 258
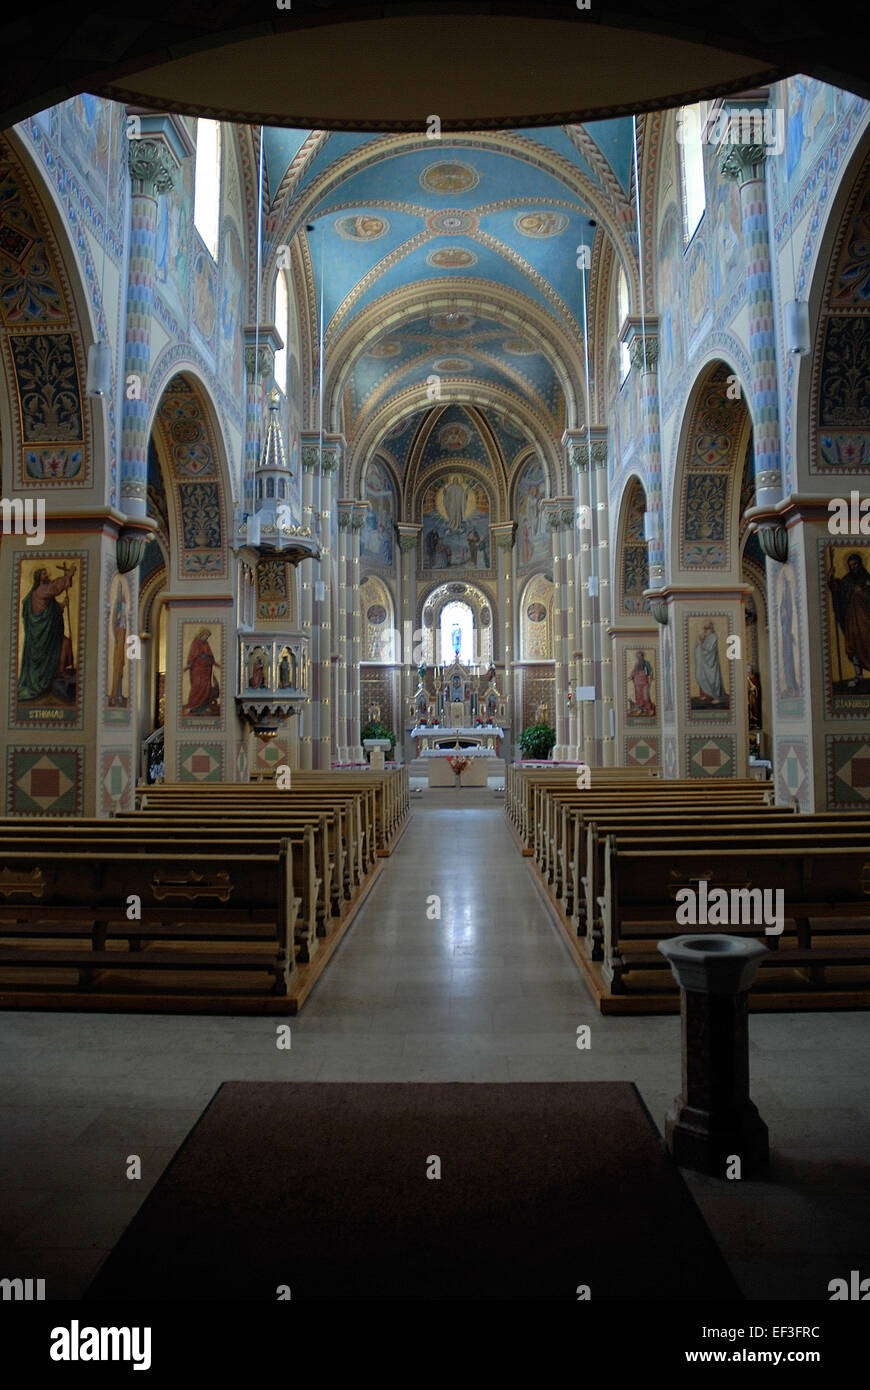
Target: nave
486, 993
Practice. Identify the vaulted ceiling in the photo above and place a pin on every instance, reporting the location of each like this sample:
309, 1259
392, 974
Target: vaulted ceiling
451, 260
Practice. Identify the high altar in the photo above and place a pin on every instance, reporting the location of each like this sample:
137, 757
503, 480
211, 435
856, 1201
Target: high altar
461, 700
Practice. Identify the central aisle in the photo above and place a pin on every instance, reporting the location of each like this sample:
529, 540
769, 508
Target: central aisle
484, 992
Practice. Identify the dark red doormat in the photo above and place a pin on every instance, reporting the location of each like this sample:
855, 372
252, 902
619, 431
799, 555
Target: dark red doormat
322, 1188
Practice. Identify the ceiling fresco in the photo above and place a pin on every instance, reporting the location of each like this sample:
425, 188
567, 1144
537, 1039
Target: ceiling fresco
388, 225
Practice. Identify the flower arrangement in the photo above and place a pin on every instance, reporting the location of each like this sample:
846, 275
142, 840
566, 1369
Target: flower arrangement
458, 764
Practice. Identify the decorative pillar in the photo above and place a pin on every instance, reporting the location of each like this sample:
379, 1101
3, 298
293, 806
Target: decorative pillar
330, 463
593, 717
744, 163
559, 514
604, 600
156, 150
260, 347
503, 537
643, 346
408, 535
308, 573
355, 751
344, 607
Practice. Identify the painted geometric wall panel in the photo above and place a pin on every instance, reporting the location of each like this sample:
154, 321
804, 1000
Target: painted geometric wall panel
116, 784
641, 752
200, 762
710, 756
848, 764
44, 781
791, 762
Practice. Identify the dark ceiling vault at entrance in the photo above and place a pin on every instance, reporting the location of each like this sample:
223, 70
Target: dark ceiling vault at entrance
388, 67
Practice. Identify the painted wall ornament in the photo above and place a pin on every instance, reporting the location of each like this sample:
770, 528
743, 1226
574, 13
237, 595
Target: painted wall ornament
848, 584
709, 692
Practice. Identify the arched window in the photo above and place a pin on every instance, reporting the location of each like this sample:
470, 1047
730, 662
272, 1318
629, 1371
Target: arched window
690, 121
282, 323
456, 632
621, 316
207, 186
270, 487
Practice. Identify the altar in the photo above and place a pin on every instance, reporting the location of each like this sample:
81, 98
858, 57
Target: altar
471, 765
434, 736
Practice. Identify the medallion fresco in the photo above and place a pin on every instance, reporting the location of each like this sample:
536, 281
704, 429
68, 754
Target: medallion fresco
364, 226
449, 176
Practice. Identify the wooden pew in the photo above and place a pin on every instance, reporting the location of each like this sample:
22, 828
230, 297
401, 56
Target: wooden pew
638, 904
82, 898
153, 837
777, 828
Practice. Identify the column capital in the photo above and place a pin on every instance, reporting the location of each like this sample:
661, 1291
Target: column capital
158, 142
743, 163
577, 447
503, 534
327, 458
346, 507
261, 344
643, 346
558, 512
408, 535
360, 512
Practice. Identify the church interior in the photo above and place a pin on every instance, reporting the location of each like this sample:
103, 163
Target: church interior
298, 825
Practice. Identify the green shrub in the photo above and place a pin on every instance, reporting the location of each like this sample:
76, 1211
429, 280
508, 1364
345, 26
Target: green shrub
379, 731
537, 740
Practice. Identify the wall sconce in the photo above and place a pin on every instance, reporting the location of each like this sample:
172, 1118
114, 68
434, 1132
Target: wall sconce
651, 526
797, 327
99, 378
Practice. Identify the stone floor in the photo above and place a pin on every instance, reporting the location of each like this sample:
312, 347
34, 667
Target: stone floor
486, 992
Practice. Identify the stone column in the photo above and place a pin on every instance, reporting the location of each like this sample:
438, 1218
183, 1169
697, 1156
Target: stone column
576, 445
744, 163
308, 575
503, 537
643, 344
329, 469
408, 535
260, 347
605, 597
345, 602
559, 514
156, 149
355, 751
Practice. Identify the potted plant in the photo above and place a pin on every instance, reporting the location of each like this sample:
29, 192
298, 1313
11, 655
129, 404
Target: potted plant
536, 741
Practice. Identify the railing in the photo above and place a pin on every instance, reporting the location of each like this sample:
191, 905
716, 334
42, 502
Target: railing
153, 766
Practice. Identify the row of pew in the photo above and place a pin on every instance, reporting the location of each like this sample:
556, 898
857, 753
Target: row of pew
616, 857
206, 896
